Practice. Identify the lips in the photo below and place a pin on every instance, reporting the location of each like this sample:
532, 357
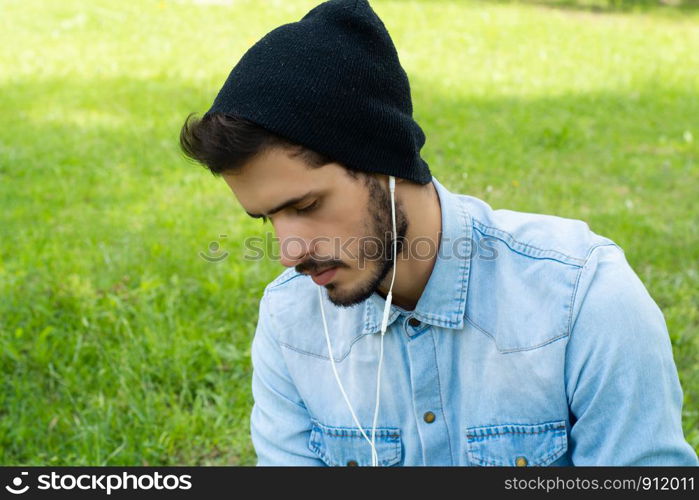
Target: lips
324, 277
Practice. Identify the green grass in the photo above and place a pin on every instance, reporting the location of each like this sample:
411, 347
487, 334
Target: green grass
119, 345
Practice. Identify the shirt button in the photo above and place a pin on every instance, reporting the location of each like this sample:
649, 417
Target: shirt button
428, 417
352, 463
521, 461
414, 322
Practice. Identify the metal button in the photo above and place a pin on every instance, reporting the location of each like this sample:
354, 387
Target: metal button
428, 417
521, 461
414, 322
352, 463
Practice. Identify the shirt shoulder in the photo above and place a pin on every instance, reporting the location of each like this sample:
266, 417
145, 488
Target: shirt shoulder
535, 235
286, 275
294, 305
524, 272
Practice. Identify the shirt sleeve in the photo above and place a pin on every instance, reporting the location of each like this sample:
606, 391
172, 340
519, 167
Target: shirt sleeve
621, 381
279, 423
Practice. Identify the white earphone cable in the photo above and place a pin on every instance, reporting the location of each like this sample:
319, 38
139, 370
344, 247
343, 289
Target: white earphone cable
337, 378
387, 309
384, 323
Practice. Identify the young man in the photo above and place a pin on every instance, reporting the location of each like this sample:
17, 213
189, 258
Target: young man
510, 338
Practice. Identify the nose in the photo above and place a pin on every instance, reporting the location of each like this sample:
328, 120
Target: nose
294, 248
293, 251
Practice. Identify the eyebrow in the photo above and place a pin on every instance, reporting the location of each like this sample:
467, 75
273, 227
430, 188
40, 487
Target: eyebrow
283, 205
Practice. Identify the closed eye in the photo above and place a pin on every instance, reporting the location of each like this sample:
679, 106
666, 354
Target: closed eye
308, 208
303, 210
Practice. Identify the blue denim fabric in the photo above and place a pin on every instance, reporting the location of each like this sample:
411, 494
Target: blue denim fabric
537, 345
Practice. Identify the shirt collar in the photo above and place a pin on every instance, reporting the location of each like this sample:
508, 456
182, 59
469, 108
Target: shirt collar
443, 301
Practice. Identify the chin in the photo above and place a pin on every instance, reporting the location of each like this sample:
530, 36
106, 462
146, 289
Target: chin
347, 295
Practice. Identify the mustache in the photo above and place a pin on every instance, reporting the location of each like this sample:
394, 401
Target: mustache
313, 267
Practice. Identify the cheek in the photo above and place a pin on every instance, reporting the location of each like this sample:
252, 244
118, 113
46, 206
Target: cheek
339, 232
341, 245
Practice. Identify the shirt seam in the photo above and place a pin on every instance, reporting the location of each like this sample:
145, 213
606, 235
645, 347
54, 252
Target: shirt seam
481, 228
441, 400
515, 349
278, 281
577, 284
320, 356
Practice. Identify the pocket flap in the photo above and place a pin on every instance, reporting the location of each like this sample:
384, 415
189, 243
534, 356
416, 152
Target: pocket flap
341, 446
517, 444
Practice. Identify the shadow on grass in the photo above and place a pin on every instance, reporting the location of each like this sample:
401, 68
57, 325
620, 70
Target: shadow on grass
619, 161
610, 157
609, 6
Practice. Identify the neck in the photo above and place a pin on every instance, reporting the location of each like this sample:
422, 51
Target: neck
421, 245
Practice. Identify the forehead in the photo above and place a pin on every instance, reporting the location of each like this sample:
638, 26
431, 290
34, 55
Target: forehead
274, 176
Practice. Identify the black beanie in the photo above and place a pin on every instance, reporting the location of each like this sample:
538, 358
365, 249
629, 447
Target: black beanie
333, 83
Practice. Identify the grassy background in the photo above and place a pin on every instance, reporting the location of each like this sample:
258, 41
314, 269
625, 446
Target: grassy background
120, 345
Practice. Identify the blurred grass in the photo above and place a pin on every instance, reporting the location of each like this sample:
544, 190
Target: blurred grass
120, 345
610, 5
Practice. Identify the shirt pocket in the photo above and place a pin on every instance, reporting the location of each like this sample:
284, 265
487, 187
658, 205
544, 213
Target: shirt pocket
342, 446
517, 444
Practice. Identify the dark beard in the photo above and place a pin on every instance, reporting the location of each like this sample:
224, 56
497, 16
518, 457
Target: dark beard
382, 229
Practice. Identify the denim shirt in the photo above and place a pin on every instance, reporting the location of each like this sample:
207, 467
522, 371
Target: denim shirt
533, 343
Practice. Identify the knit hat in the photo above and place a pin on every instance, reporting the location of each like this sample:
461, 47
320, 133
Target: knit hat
333, 83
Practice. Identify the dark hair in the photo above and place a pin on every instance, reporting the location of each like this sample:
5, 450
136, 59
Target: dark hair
224, 143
